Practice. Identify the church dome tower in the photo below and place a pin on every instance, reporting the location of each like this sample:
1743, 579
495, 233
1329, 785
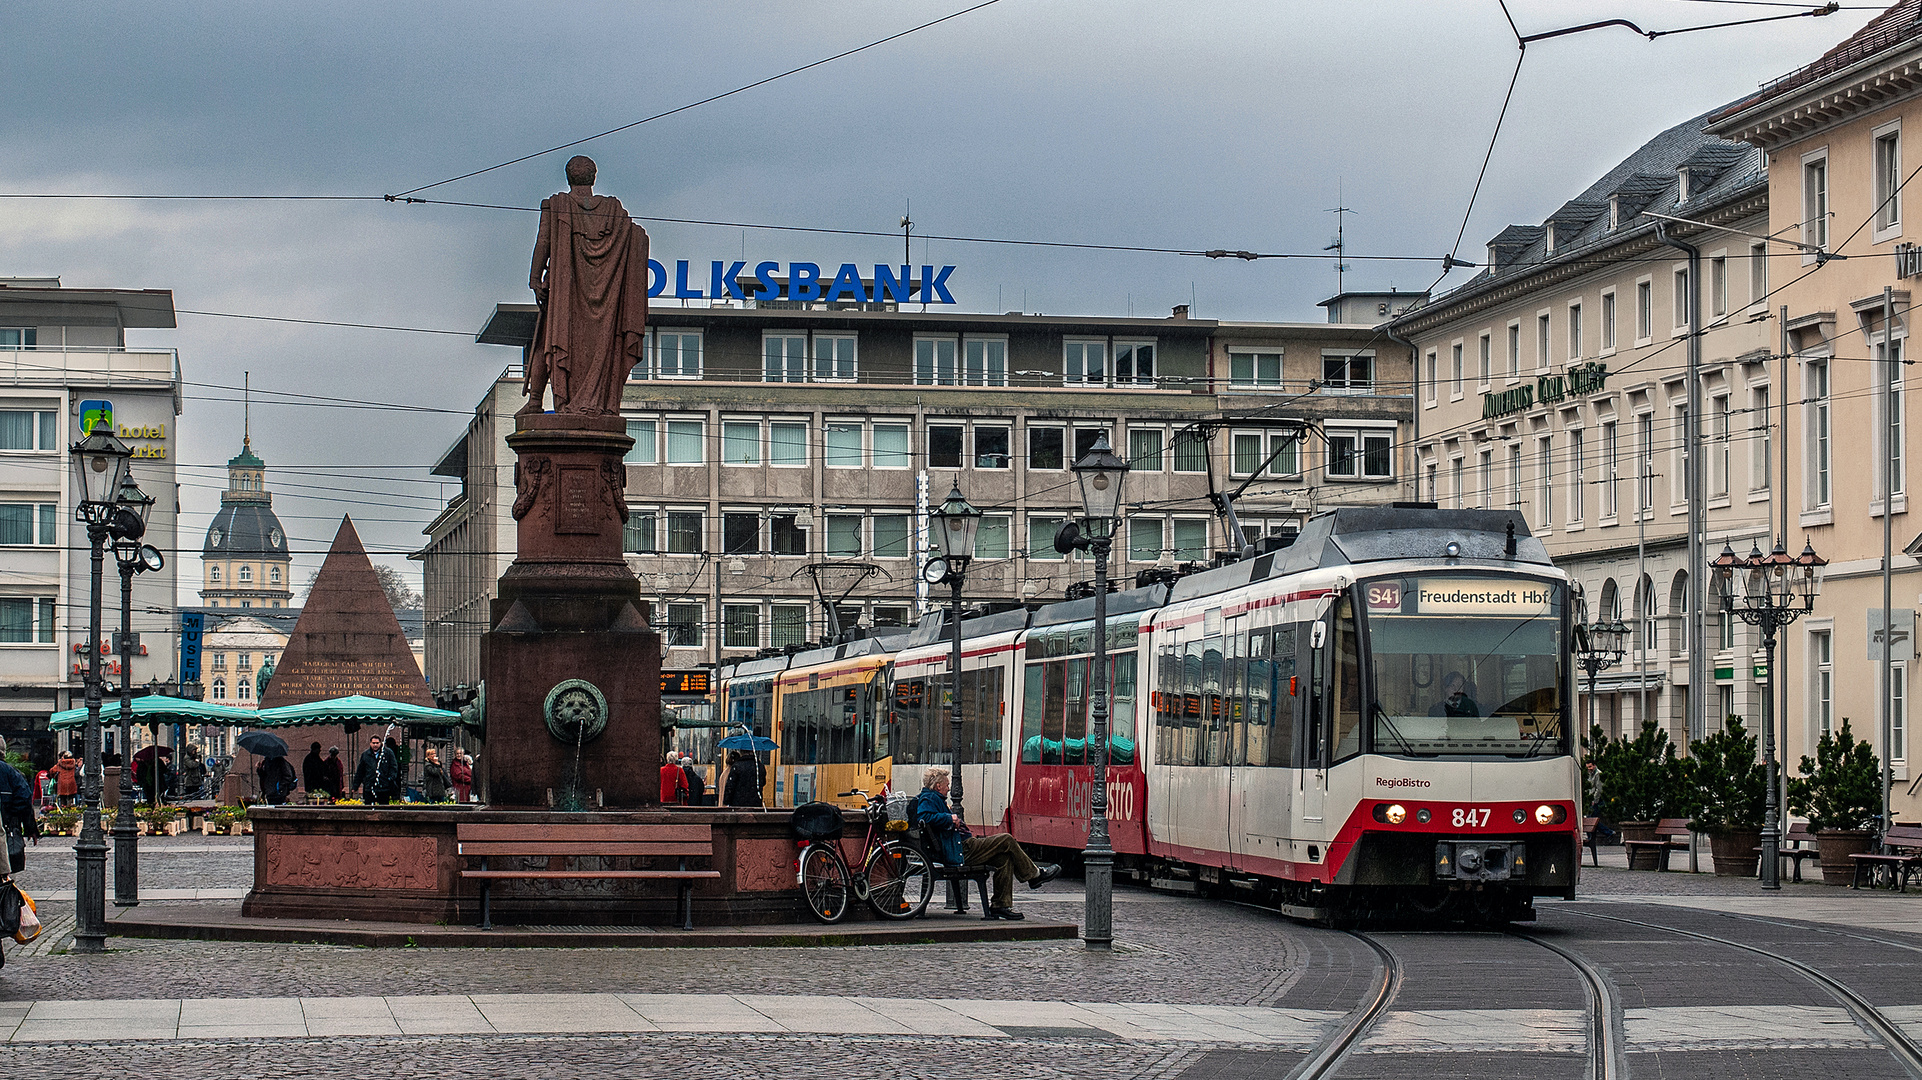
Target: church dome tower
244, 562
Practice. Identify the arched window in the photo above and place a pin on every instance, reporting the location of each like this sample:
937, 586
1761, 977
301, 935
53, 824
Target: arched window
213, 574
1645, 615
220, 689
1611, 606
246, 574
273, 575
244, 690
1678, 605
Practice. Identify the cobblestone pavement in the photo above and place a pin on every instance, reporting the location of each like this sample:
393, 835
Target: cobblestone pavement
1472, 1003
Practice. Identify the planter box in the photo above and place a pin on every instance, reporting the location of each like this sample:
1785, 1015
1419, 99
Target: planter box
1735, 853
1641, 858
1836, 845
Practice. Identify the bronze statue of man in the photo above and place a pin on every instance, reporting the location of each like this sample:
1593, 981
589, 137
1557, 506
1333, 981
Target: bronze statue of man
590, 278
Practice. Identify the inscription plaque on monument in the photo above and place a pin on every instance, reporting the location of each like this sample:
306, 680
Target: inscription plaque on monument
347, 640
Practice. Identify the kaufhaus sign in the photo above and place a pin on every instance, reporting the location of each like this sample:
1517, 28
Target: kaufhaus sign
1546, 390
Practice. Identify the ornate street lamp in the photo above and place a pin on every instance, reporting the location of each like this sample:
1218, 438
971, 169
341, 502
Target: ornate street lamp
956, 526
131, 506
99, 467
1600, 646
1775, 590
1100, 473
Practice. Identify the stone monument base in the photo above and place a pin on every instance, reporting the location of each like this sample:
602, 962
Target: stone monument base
400, 864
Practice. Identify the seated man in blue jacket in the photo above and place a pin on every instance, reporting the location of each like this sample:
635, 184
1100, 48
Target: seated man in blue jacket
958, 847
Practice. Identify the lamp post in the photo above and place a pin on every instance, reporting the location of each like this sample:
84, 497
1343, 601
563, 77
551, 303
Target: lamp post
1776, 590
99, 465
130, 515
1602, 647
1100, 473
956, 525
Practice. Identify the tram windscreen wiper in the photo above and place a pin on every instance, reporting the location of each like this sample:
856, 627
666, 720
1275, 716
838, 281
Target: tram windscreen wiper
1383, 719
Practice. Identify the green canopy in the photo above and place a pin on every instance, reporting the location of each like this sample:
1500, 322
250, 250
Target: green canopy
158, 709
357, 708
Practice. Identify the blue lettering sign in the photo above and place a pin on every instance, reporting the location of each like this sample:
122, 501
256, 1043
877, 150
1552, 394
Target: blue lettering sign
764, 273
937, 286
656, 278
847, 281
724, 284
192, 624
727, 280
804, 281
888, 287
681, 290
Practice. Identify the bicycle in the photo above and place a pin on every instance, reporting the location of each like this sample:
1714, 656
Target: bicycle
895, 880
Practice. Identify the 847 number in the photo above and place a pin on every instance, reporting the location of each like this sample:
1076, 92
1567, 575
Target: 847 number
1470, 818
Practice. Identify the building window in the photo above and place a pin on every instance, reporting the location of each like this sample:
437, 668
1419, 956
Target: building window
1191, 451
1824, 682
891, 532
637, 536
1247, 454
246, 575
28, 429
1285, 446
842, 449
645, 444
1578, 475
1761, 440
787, 625
686, 624
1134, 363
243, 689
1514, 350
1047, 448
1254, 370
220, 689
1718, 453
1455, 369
1888, 420
685, 532
1899, 714
741, 532
1348, 373
740, 442
686, 442
987, 361
934, 361
786, 535
1433, 383
1515, 476
1644, 310
785, 357
1144, 449
1485, 469
1718, 286
834, 358
27, 523
844, 536
1190, 539
1084, 363
1041, 530
19, 337
1487, 353
1363, 455
944, 445
1611, 492
787, 443
1815, 202
1574, 332
1681, 298
678, 354
1545, 480
213, 574
1541, 341
273, 575
1816, 431
991, 446
1144, 539
1608, 322
1888, 182
26, 620
1645, 460
1758, 273
994, 539
891, 446
740, 626
1455, 481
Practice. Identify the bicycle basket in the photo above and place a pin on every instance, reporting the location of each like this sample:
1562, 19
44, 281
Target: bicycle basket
877, 811
817, 821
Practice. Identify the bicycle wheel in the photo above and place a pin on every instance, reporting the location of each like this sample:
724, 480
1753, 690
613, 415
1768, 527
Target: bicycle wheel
899, 882
824, 882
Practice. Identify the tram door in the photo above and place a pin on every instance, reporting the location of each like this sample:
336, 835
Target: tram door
1314, 749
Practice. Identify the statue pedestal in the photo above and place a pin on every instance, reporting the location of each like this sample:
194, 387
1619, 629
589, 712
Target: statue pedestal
573, 672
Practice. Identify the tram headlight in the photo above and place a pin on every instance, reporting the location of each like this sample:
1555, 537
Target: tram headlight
1391, 813
1550, 815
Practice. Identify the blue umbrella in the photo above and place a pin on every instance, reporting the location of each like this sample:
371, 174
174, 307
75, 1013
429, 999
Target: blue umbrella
748, 742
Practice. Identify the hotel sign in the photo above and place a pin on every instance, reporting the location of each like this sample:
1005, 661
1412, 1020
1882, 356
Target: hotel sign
1581, 379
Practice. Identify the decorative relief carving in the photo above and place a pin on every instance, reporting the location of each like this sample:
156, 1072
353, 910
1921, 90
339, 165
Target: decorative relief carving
529, 474
354, 862
615, 473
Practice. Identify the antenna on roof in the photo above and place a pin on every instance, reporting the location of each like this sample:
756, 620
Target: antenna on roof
1340, 246
246, 409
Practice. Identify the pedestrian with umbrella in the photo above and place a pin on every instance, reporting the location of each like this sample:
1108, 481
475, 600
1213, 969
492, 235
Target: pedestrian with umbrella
276, 774
151, 771
745, 777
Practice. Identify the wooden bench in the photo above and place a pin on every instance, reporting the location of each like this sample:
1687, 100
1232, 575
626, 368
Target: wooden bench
1671, 834
1900, 855
563, 843
1591, 839
956, 877
1799, 835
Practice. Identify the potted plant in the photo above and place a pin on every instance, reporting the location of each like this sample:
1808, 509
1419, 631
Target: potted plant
1841, 794
1731, 787
161, 819
64, 819
1639, 781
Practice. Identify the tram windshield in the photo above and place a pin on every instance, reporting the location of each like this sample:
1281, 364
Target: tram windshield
1467, 666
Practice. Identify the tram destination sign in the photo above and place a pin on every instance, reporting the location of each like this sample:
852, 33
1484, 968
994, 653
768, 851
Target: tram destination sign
1460, 596
690, 682
1546, 390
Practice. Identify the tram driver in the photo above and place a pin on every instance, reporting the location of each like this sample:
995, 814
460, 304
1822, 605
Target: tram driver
958, 847
1456, 699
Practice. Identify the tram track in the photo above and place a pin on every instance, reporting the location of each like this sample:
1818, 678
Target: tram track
1893, 1038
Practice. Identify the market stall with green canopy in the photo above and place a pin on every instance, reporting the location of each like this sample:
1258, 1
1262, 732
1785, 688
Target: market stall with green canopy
355, 709
158, 709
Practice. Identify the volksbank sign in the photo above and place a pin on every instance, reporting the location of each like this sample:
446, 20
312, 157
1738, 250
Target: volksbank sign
803, 281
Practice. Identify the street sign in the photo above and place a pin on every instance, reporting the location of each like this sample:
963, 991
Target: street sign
1902, 636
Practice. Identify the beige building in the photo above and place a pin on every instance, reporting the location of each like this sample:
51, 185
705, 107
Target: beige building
244, 562
769, 438
1555, 382
1834, 133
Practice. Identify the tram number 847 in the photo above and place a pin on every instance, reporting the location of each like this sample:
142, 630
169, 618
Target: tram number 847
1470, 818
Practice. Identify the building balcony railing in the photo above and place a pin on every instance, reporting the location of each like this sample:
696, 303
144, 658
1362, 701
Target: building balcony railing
55, 366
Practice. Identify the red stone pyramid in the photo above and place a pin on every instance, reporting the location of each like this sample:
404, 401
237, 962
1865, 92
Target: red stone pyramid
347, 640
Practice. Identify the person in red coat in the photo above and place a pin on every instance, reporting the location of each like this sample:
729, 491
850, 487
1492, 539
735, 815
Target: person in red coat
673, 780
66, 778
462, 772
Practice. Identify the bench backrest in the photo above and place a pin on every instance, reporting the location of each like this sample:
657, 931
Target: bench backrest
1672, 828
488, 839
1902, 836
1799, 830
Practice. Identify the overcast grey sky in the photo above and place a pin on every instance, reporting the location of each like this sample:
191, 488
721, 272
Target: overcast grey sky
1193, 125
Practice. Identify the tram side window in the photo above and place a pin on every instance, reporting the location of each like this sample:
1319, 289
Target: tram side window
1347, 685
1121, 711
831, 726
920, 731
1167, 704
1214, 705
1284, 693
1235, 698
1032, 710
